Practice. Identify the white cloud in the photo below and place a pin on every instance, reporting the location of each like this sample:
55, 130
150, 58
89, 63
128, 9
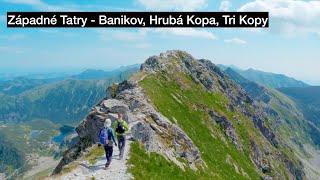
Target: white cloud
9, 49
289, 17
177, 5
49, 31
225, 5
13, 37
39, 4
58, 32
235, 41
43, 6
3, 18
128, 35
142, 45
141, 34
28, 2
122, 35
187, 32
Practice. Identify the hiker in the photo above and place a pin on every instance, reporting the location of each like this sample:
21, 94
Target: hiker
107, 139
121, 128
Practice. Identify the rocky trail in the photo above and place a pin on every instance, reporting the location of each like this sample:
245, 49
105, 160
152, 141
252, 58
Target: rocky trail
117, 171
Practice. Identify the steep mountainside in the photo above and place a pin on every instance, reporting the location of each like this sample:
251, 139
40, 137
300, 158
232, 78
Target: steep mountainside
21, 84
67, 100
269, 79
197, 123
92, 74
11, 158
100, 74
256, 91
287, 118
29, 120
304, 108
61, 101
308, 99
22, 145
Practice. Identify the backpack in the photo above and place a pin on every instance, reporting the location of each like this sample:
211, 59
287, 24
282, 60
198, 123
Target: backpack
120, 129
103, 135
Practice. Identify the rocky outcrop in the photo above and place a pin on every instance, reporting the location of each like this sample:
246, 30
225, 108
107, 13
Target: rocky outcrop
267, 133
228, 129
2, 176
148, 126
295, 170
259, 158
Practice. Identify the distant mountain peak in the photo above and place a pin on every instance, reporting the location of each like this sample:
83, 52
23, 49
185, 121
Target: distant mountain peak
268, 78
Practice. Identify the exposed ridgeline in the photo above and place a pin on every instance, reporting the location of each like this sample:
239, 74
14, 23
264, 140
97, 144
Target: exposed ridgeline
288, 120
256, 91
194, 115
287, 116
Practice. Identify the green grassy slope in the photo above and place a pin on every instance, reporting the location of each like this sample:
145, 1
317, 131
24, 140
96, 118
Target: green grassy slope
271, 79
154, 166
21, 84
295, 125
287, 117
44, 109
17, 143
192, 117
11, 158
237, 138
308, 100
67, 100
267, 78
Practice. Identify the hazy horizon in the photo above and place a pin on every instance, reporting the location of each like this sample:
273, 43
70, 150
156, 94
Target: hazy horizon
77, 70
289, 46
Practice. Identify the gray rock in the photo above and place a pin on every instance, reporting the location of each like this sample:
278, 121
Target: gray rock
228, 128
259, 158
150, 127
114, 106
2, 176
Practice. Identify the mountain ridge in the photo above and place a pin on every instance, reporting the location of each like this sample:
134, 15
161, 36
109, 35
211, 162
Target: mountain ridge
307, 98
270, 79
47, 106
33, 102
20, 84
175, 90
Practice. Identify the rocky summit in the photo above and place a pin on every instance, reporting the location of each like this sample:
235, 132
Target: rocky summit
189, 120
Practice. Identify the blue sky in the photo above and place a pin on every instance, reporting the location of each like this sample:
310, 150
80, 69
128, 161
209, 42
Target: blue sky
290, 46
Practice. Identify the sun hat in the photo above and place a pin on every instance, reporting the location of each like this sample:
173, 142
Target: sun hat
107, 123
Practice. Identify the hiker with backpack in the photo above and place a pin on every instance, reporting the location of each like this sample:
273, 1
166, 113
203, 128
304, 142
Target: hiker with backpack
107, 139
121, 128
